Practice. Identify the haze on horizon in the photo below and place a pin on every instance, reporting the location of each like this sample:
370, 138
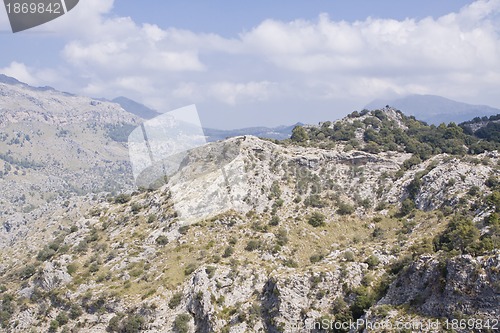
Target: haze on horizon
264, 64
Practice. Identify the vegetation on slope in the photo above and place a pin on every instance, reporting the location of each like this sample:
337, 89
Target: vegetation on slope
391, 130
131, 258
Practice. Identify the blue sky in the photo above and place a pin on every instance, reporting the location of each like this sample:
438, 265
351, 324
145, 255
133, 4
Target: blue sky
229, 18
264, 62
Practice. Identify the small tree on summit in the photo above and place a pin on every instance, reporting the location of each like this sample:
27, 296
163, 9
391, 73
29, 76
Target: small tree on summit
299, 134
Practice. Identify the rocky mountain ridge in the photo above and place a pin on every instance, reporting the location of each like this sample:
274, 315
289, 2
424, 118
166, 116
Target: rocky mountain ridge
315, 235
54, 145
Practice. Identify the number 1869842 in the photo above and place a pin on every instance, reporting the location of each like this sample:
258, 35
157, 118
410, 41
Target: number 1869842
34, 8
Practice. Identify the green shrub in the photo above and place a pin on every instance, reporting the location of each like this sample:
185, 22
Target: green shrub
281, 237
7, 309
349, 256
151, 218
342, 312
114, 323
62, 318
275, 190
317, 219
413, 160
407, 206
122, 198
345, 209
175, 300
372, 261
210, 270
275, 220
75, 311
135, 207
27, 272
290, 263
190, 268
162, 240
314, 200
299, 134
181, 323
94, 267
365, 298
131, 324
253, 245
228, 252
378, 232
474, 190
461, 235
54, 325
45, 254
316, 258
184, 229
71, 268
82, 247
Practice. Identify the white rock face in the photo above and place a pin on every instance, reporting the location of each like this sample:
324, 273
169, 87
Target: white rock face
202, 189
441, 289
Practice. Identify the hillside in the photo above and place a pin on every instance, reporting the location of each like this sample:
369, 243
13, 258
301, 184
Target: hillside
389, 129
359, 218
53, 146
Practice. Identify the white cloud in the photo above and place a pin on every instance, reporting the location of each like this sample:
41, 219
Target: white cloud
21, 72
453, 42
231, 93
319, 61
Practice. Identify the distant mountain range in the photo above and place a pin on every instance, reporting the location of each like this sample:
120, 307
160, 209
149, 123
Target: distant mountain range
279, 133
12, 81
435, 109
429, 108
135, 107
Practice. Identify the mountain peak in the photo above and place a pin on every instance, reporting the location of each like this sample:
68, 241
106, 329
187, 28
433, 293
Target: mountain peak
10, 80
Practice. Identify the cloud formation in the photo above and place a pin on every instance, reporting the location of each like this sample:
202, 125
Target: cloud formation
321, 61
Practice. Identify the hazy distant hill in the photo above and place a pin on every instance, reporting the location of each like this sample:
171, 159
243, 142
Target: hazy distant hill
13, 81
9, 80
54, 146
135, 108
279, 133
435, 109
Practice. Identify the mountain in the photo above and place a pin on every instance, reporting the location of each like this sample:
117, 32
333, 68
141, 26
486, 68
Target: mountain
142, 111
10, 80
135, 108
277, 133
376, 217
54, 146
435, 109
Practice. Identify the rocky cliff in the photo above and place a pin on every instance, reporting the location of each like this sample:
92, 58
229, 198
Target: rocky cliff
302, 236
